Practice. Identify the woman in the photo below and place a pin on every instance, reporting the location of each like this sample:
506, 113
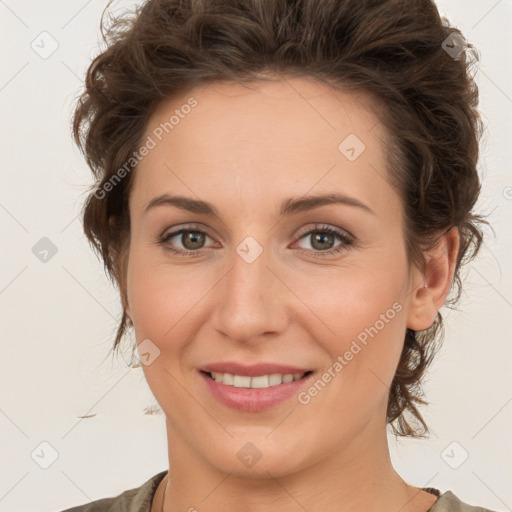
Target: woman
284, 196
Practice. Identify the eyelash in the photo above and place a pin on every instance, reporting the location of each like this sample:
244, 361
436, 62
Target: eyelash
348, 241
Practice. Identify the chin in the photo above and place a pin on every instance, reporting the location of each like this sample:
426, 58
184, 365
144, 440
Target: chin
256, 455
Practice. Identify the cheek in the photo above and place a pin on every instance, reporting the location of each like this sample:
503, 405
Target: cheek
161, 299
357, 314
347, 301
146, 299
363, 351
158, 306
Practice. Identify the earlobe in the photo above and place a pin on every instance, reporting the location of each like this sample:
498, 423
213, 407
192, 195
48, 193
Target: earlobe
430, 290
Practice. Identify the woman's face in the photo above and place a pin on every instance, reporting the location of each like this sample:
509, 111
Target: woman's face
273, 278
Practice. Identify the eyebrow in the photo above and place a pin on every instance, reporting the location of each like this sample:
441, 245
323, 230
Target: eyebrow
288, 207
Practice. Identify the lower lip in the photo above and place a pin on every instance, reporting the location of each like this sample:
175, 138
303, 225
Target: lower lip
253, 399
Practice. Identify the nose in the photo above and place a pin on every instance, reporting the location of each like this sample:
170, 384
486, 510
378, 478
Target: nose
251, 300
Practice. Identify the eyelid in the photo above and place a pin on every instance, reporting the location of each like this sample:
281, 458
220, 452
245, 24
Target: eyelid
186, 227
321, 226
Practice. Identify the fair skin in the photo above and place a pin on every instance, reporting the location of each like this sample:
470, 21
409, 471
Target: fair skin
245, 151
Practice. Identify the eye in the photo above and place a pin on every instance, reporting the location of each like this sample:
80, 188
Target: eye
322, 237
193, 239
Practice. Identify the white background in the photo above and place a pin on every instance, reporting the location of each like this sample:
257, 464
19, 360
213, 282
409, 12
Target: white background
58, 318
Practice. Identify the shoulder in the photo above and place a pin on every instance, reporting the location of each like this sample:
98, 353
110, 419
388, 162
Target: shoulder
449, 502
133, 500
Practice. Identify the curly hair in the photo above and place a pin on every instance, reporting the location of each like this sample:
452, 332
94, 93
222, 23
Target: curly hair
401, 53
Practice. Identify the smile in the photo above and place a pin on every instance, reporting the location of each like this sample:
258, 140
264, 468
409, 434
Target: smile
256, 393
259, 382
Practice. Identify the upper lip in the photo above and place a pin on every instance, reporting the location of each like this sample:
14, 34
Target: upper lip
252, 370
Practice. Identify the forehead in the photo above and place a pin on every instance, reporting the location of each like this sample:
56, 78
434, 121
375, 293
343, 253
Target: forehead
281, 137
310, 109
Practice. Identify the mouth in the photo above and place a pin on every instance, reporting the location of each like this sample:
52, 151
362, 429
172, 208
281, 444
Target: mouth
257, 381
254, 393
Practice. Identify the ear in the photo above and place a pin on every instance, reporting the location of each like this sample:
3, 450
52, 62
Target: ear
429, 291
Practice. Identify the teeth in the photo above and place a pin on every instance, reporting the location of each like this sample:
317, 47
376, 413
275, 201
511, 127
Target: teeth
260, 382
240, 381
228, 379
275, 379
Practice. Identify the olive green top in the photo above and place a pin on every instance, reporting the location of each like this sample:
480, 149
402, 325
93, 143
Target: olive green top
140, 498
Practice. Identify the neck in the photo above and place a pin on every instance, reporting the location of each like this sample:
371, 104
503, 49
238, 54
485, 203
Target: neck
358, 477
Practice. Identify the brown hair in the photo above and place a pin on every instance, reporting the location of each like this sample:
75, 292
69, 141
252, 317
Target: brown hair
399, 52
